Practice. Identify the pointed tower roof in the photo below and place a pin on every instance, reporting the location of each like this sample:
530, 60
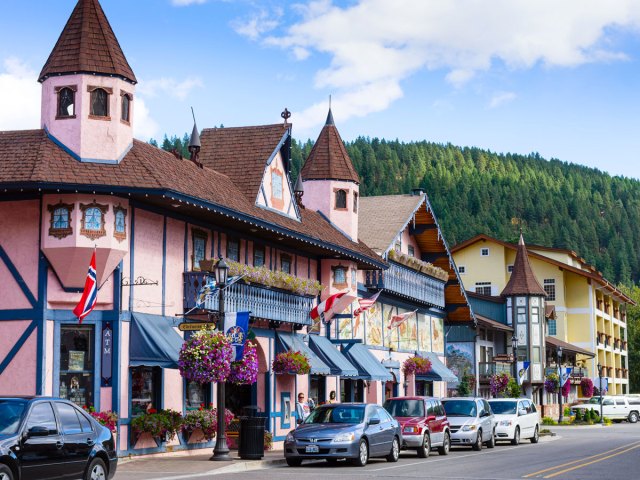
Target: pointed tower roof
87, 44
522, 281
329, 159
195, 137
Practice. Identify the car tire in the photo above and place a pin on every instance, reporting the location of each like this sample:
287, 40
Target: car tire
425, 449
536, 436
516, 437
492, 443
97, 470
446, 445
294, 462
394, 454
477, 446
363, 455
5, 472
633, 417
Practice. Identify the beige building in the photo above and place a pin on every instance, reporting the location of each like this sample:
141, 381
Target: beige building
590, 311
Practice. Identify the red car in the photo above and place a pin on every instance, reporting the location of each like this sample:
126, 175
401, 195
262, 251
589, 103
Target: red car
423, 422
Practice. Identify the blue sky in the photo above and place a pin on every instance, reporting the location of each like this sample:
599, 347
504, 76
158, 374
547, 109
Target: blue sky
558, 78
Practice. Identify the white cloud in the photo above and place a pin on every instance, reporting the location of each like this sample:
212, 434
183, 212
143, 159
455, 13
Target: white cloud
258, 24
500, 98
19, 96
376, 44
184, 3
169, 86
144, 127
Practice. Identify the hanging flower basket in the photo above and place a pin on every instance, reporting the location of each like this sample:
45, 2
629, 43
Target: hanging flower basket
206, 357
586, 386
499, 383
295, 363
206, 421
245, 371
416, 365
551, 383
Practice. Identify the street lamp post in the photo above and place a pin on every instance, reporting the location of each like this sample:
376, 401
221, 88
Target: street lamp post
221, 450
560, 415
514, 348
600, 391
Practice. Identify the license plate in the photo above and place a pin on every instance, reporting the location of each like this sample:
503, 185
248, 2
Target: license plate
312, 449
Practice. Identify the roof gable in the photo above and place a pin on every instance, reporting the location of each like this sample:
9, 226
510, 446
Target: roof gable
276, 191
87, 44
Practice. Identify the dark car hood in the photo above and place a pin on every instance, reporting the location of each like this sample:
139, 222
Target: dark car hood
324, 429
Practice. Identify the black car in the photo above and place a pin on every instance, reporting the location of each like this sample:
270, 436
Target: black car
50, 438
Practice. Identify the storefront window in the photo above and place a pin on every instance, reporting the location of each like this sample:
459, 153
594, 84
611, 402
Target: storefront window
197, 395
424, 388
351, 390
77, 364
145, 389
318, 388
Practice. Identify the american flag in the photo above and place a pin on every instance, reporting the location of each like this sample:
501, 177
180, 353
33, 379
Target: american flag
365, 304
398, 320
90, 293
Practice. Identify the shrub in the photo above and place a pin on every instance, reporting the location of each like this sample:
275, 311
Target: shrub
291, 362
513, 389
548, 421
464, 387
579, 415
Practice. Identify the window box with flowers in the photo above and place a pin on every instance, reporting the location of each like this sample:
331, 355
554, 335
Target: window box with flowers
160, 425
294, 363
418, 265
201, 425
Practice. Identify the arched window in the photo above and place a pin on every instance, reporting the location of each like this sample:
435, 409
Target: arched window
126, 108
93, 220
341, 199
66, 103
99, 103
120, 226
60, 222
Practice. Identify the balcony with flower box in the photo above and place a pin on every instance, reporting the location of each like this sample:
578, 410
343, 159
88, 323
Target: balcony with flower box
487, 369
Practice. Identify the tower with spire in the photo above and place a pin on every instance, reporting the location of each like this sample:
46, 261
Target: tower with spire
526, 313
88, 89
331, 184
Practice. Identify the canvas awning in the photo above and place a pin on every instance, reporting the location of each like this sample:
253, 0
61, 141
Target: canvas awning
567, 347
368, 366
439, 371
331, 356
153, 342
294, 342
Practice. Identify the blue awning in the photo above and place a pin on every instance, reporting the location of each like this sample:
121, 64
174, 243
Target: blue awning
331, 356
368, 366
153, 342
294, 342
393, 366
439, 372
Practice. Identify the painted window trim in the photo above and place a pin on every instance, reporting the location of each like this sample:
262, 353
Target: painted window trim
109, 91
120, 236
58, 90
462, 269
129, 97
93, 234
60, 233
336, 191
201, 234
483, 249
510, 268
548, 285
334, 271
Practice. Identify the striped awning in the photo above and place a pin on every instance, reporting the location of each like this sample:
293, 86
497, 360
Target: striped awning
294, 343
368, 366
330, 355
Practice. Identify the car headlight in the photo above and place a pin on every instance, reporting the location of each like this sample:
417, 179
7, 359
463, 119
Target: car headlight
411, 430
344, 437
506, 423
290, 437
468, 428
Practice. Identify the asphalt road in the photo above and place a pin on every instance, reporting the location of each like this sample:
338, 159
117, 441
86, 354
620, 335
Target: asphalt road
582, 453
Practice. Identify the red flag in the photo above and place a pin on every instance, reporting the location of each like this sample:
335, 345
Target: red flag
336, 303
398, 320
90, 294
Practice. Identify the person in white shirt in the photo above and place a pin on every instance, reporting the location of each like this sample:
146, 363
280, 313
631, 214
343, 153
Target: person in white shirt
302, 409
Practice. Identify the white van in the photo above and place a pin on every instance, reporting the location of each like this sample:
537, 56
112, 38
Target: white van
618, 407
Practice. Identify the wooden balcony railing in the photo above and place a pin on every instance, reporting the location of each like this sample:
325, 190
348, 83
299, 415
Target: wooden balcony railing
616, 343
406, 282
487, 369
262, 302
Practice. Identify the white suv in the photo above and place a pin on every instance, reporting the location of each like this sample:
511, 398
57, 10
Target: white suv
515, 419
616, 407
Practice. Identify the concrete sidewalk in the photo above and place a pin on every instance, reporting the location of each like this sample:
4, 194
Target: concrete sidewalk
189, 464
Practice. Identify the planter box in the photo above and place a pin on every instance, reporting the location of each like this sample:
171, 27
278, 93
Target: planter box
145, 440
195, 436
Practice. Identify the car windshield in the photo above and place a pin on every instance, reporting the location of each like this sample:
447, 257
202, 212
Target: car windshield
460, 408
10, 414
503, 408
337, 414
405, 408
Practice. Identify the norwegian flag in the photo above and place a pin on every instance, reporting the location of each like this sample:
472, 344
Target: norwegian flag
336, 303
90, 294
398, 320
366, 304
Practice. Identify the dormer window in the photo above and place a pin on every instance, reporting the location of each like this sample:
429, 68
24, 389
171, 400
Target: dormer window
339, 276
66, 102
99, 102
125, 110
93, 220
120, 226
341, 199
60, 223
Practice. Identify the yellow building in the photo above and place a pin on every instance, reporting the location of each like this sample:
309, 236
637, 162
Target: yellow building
590, 311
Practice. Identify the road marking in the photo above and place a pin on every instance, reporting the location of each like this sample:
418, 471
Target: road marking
535, 474
592, 462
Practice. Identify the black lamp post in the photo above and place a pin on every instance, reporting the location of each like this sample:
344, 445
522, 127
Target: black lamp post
221, 450
560, 415
600, 391
514, 349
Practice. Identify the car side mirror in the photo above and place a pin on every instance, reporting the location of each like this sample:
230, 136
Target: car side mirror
374, 421
522, 411
37, 431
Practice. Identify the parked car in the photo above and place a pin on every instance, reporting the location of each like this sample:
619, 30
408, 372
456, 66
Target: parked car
516, 419
471, 421
617, 407
354, 431
423, 422
43, 437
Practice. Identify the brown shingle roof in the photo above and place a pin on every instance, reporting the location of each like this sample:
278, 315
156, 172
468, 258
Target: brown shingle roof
523, 281
30, 156
382, 218
329, 159
87, 44
241, 153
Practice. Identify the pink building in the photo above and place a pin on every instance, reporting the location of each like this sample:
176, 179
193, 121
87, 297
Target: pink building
82, 182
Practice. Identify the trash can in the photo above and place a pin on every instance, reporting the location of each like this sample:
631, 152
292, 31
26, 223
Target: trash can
251, 441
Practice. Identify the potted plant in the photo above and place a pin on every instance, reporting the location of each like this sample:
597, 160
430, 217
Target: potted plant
201, 425
206, 357
162, 425
245, 371
416, 365
295, 363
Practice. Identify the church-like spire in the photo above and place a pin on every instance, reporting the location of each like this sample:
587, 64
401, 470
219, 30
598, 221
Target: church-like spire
87, 44
522, 281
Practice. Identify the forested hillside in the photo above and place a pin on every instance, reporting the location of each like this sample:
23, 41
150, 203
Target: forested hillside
477, 191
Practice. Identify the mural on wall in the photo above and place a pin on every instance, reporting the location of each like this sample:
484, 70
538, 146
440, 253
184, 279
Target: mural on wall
358, 324
460, 358
373, 318
424, 333
408, 332
391, 336
437, 334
